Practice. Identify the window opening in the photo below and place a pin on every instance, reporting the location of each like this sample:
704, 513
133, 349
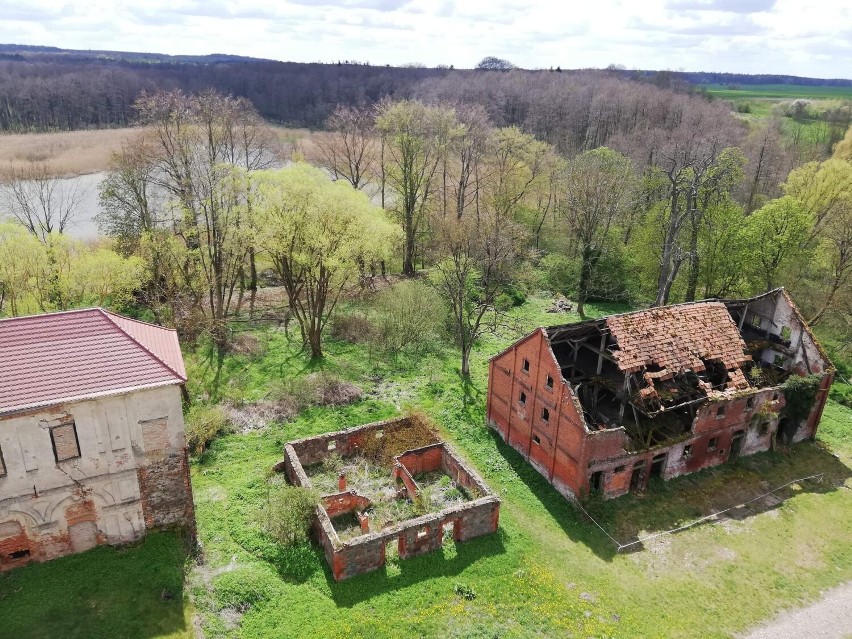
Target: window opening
64, 440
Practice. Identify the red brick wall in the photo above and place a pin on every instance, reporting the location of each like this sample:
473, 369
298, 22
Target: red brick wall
555, 446
166, 492
424, 460
344, 503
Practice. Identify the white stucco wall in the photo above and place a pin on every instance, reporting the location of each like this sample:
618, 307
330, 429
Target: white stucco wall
116, 434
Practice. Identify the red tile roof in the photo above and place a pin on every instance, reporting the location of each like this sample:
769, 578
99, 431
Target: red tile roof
677, 338
74, 355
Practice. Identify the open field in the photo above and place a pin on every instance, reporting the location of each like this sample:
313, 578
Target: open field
68, 153
548, 572
73, 153
779, 91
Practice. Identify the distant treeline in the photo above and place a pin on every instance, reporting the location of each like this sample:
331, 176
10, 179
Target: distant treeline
51, 91
701, 77
44, 88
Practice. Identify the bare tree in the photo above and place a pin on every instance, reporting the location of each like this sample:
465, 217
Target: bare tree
416, 139
480, 254
129, 205
598, 191
467, 154
768, 165
348, 149
40, 201
201, 147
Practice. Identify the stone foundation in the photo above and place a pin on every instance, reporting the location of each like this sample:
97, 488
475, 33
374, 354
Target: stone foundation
412, 537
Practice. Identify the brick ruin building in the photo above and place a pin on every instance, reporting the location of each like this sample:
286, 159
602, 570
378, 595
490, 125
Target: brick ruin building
602, 406
92, 444
347, 522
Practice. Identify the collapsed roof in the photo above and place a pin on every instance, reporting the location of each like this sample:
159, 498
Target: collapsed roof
648, 370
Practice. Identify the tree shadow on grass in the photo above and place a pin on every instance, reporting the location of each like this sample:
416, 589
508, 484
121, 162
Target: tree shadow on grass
450, 560
740, 488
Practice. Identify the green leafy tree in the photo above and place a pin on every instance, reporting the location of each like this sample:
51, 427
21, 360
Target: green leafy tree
775, 233
317, 234
23, 263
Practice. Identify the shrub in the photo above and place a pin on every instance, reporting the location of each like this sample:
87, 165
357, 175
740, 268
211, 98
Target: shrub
560, 273
289, 511
259, 414
513, 296
410, 318
464, 591
842, 393
325, 389
316, 389
203, 424
244, 586
355, 328
246, 344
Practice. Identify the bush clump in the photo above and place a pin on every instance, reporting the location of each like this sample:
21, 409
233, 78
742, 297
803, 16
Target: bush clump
410, 318
203, 424
245, 586
246, 344
288, 398
355, 328
316, 389
289, 512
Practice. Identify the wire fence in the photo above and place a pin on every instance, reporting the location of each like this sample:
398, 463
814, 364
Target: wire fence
620, 546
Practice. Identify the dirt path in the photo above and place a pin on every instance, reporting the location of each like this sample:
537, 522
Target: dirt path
828, 618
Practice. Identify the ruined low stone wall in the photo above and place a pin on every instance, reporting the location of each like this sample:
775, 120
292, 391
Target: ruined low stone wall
312, 450
414, 536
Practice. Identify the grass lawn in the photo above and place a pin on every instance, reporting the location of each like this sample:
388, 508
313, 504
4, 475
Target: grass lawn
135, 592
548, 572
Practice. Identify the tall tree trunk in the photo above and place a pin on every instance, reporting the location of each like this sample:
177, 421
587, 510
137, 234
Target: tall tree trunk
408, 257
589, 259
465, 365
692, 281
252, 281
753, 190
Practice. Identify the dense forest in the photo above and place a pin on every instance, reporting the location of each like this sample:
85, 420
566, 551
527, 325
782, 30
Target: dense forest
45, 89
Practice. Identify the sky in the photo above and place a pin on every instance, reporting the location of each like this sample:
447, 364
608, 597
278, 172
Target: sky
796, 37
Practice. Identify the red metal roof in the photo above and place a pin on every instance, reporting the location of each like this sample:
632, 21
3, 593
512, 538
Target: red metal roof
73, 355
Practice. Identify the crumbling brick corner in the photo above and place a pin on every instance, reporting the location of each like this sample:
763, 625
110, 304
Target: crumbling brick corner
165, 489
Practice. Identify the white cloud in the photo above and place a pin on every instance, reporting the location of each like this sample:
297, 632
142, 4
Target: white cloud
802, 37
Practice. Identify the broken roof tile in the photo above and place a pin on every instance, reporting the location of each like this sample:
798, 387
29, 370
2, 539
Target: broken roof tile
702, 331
